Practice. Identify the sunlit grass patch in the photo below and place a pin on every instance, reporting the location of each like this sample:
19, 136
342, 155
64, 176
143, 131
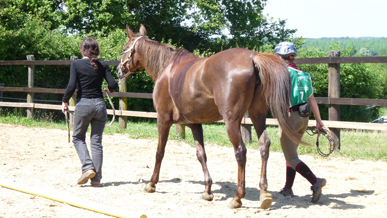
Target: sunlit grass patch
355, 144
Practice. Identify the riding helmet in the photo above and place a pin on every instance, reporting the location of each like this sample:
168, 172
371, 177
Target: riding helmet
285, 49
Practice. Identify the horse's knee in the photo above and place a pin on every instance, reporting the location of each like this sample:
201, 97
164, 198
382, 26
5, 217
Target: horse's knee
264, 139
265, 143
240, 154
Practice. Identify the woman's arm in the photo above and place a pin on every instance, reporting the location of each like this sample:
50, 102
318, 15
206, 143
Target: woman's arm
72, 85
112, 84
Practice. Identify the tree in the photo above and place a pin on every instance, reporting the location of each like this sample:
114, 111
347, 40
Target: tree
364, 52
249, 27
53, 30
356, 81
14, 13
97, 17
192, 24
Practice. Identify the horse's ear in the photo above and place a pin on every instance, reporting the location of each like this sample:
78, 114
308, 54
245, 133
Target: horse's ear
129, 32
142, 30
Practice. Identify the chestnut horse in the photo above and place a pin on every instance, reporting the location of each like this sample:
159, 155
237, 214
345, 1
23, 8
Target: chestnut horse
190, 90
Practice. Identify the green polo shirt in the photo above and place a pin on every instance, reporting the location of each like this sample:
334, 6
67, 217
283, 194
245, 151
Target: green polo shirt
301, 86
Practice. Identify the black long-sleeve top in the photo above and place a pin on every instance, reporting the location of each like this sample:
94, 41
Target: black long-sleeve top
89, 81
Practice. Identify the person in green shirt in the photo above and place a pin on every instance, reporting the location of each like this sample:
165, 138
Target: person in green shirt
302, 101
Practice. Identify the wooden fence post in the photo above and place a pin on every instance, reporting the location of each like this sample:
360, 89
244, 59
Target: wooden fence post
73, 99
246, 130
30, 95
1, 99
180, 130
334, 92
123, 120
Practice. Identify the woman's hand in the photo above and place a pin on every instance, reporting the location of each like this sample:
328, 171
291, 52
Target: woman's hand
65, 107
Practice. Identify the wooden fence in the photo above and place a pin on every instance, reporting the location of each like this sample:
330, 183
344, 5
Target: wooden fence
333, 100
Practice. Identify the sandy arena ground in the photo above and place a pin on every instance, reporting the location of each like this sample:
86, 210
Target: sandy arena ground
42, 158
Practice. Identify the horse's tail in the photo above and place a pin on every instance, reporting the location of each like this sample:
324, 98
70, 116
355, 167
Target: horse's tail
275, 84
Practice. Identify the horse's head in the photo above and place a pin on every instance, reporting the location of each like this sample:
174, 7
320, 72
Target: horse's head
131, 61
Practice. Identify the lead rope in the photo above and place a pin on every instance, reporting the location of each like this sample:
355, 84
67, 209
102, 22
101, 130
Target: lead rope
327, 133
67, 121
114, 111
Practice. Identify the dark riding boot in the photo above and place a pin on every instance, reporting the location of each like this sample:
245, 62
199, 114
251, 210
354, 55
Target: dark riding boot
304, 170
317, 189
290, 176
317, 183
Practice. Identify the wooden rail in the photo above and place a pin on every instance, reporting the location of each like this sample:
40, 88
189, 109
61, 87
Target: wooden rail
319, 100
333, 100
341, 60
324, 60
48, 62
245, 121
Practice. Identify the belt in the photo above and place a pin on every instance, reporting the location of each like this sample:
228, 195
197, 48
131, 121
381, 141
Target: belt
295, 108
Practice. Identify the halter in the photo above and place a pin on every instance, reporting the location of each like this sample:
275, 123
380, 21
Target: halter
128, 59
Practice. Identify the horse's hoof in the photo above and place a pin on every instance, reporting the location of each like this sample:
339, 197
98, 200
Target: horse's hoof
207, 197
150, 189
235, 204
266, 200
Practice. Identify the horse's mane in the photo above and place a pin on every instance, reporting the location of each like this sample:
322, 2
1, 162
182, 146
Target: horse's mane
158, 55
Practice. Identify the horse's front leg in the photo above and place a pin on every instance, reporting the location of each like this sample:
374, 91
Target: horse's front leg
163, 129
234, 134
197, 132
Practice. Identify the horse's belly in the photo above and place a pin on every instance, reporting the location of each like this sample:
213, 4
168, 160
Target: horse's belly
198, 111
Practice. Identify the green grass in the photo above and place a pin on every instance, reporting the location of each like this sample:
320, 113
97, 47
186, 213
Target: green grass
367, 145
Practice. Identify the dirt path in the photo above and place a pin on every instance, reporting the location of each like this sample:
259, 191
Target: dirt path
42, 158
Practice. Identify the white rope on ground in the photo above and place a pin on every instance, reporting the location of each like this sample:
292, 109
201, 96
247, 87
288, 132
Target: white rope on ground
71, 200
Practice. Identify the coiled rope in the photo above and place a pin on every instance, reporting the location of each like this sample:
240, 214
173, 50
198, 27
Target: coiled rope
327, 133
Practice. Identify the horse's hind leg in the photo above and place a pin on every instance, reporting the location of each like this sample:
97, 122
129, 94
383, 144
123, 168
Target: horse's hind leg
163, 129
197, 131
259, 122
234, 134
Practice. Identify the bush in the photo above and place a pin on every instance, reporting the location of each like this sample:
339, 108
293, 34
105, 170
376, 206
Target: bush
356, 81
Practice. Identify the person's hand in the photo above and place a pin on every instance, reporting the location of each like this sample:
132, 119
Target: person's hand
107, 89
65, 107
319, 125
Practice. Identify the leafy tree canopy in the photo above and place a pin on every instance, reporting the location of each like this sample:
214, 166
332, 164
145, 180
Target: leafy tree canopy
193, 24
15, 13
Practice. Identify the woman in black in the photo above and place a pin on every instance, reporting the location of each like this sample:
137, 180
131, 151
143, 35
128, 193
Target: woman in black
88, 74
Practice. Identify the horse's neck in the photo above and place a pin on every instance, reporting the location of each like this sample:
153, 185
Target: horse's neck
156, 63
